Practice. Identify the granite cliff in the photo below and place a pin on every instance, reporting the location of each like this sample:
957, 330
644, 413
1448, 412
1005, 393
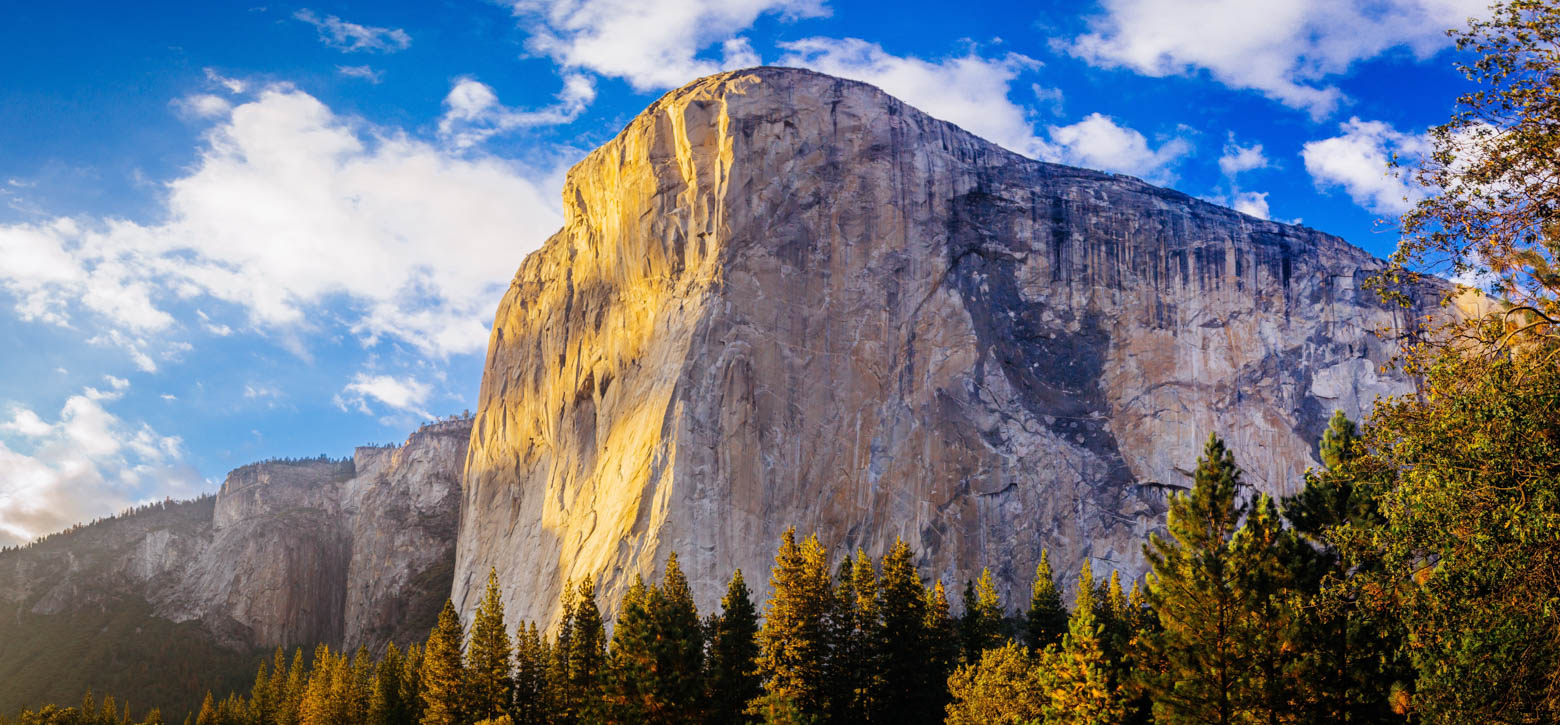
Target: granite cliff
348, 552
781, 298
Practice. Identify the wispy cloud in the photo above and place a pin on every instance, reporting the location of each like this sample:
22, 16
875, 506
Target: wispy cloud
362, 72
351, 37
1288, 50
652, 44
472, 112
401, 394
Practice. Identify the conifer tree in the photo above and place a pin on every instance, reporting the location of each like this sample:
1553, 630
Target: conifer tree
208, 712
262, 704
411, 683
359, 686
733, 668
386, 706
489, 672
1200, 670
942, 646
631, 666
1260, 552
907, 676
291, 703
678, 649
794, 643
560, 696
443, 674
1080, 687
1047, 620
980, 626
586, 657
531, 657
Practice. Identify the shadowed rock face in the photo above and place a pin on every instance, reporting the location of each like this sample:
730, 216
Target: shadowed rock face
781, 298
348, 553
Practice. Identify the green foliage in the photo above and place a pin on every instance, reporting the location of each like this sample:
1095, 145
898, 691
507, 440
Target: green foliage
1047, 618
443, 673
1471, 539
489, 687
733, 668
794, 644
1078, 678
532, 656
981, 624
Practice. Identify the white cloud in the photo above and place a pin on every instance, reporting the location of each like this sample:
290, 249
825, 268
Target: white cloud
1285, 49
363, 72
472, 112
351, 37
1097, 142
968, 90
651, 44
290, 207
204, 105
406, 394
1358, 160
85, 464
1237, 158
1253, 203
232, 85
973, 92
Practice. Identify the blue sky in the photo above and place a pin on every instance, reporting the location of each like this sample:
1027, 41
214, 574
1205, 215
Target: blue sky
234, 232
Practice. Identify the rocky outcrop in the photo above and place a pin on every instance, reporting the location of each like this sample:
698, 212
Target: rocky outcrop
346, 552
781, 298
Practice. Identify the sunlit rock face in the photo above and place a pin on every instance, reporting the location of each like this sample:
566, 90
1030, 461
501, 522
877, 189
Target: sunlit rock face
352, 552
782, 298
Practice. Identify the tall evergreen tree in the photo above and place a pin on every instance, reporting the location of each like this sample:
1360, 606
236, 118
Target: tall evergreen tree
1047, 620
981, 624
489, 686
262, 700
1260, 552
907, 678
443, 674
1350, 655
1079, 678
942, 645
794, 642
678, 649
733, 668
387, 705
531, 664
631, 687
1194, 594
587, 656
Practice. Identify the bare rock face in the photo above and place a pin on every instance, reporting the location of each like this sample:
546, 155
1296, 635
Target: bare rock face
781, 298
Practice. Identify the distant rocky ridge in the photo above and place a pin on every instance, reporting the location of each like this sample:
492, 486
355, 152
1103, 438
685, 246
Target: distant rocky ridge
346, 552
785, 299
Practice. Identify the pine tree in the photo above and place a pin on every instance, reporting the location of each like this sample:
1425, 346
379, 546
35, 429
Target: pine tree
853, 669
208, 712
1081, 691
942, 646
1047, 620
531, 656
678, 649
981, 626
733, 669
291, 702
411, 683
1260, 552
909, 678
262, 701
631, 686
386, 706
794, 643
586, 657
489, 672
443, 674
1200, 670
1350, 654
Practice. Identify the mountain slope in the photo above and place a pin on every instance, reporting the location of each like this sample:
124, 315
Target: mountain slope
165, 603
781, 298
